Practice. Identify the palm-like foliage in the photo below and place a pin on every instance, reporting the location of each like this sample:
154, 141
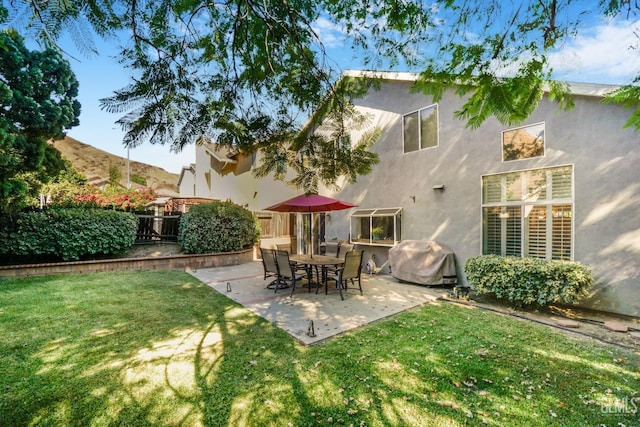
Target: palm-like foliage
244, 72
628, 97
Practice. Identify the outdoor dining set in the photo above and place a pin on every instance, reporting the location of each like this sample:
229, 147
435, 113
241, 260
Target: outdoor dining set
340, 264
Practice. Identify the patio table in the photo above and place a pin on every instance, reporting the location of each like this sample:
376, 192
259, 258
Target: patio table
313, 262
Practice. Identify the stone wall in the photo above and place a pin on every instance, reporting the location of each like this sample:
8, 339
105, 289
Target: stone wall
170, 262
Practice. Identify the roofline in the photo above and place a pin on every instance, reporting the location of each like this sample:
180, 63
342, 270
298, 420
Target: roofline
191, 168
580, 89
224, 160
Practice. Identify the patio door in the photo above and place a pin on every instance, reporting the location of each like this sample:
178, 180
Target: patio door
310, 232
294, 232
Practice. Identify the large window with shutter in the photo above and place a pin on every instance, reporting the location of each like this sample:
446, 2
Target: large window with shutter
529, 213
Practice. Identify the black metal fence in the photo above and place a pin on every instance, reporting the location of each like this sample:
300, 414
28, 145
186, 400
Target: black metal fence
157, 229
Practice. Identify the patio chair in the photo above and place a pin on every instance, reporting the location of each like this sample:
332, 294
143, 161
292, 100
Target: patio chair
286, 270
343, 248
269, 265
349, 272
298, 268
331, 249
284, 247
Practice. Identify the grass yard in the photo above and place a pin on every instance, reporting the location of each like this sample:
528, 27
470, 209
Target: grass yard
161, 348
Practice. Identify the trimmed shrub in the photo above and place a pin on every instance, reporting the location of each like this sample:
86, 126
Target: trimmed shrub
528, 281
66, 234
217, 227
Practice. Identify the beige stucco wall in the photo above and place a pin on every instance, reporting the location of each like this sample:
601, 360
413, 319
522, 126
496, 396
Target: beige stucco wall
590, 137
242, 189
187, 183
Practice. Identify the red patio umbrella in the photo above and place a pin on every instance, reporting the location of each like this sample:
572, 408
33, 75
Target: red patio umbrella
310, 203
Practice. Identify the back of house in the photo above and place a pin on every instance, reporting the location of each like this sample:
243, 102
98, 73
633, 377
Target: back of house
560, 185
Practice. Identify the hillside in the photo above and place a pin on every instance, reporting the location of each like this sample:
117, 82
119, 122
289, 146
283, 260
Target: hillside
94, 164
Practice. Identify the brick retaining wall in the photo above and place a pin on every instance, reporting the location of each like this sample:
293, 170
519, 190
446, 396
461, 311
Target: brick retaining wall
172, 262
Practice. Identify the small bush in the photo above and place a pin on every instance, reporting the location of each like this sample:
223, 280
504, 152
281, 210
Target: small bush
217, 227
66, 234
527, 281
138, 179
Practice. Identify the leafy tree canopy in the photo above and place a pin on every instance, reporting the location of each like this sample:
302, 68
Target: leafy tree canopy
246, 72
37, 102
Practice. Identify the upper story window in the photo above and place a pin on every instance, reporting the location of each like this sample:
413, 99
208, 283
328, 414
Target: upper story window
420, 129
523, 143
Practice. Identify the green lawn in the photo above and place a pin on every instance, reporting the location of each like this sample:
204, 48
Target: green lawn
161, 348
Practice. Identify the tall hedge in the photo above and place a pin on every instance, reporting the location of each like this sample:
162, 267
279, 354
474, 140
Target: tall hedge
66, 234
528, 281
217, 227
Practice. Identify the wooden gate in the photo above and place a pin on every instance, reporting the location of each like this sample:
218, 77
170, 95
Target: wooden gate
156, 228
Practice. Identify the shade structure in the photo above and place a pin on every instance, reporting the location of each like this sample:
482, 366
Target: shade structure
310, 203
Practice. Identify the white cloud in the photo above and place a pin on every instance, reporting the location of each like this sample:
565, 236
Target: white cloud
331, 34
607, 53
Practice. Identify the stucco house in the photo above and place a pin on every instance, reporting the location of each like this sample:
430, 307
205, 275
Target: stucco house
561, 185
223, 174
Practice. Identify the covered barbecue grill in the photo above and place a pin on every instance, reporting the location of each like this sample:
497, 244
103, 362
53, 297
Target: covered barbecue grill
423, 262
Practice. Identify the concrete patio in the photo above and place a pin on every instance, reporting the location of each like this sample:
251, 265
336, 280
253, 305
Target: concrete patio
383, 296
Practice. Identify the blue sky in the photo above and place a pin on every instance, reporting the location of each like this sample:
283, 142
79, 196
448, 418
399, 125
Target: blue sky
602, 54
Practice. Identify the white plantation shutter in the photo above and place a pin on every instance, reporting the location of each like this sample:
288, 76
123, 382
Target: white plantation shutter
502, 231
492, 189
491, 242
536, 185
529, 213
513, 187
562, 183
561, 226
536, 225
513, 232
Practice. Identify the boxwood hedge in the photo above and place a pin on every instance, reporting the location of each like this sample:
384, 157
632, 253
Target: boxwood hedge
217, 227
66, 234
528, 281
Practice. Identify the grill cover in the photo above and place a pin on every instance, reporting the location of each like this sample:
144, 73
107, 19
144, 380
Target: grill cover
423, 262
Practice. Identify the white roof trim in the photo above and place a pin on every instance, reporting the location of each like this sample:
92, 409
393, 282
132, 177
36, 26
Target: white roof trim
218, 157
584, 89
185, 169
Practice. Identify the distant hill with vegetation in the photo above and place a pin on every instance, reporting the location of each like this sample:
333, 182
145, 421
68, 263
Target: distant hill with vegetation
95, 163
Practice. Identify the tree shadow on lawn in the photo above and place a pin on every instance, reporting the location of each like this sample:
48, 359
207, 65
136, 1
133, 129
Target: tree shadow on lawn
112, 348
446, 365
161, 348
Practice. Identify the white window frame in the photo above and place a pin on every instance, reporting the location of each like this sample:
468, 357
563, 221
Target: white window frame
526, 204
367, 237
420, 148
544, 142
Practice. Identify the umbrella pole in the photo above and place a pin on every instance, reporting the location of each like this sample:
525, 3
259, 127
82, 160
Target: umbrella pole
311, 233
